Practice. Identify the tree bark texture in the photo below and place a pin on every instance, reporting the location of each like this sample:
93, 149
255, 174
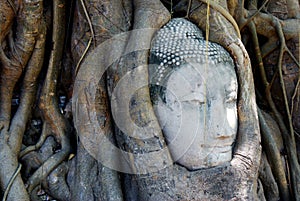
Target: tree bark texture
77, 121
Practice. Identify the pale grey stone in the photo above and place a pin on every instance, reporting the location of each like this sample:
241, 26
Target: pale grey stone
195, 98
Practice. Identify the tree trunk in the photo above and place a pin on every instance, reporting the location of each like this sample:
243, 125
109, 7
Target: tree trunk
76, 114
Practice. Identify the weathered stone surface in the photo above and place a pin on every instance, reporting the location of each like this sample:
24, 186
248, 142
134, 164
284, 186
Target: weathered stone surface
194, 91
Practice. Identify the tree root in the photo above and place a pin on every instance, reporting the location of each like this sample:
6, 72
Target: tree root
56, 184
28, 50
268, 181
288, 138
141, 114
225, 14
28, 92
48, 102
94, 96
47, 167
11, 181
34, 195
91, 38
20, 54
38, 145
6, 20
296, 94
274, 157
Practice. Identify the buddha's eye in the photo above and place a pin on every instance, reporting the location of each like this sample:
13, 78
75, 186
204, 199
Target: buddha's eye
197, 102
194, 98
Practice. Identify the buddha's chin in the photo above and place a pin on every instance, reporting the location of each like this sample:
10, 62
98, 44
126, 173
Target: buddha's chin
205, 157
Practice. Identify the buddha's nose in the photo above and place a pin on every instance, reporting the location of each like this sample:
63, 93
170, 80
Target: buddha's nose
224, 122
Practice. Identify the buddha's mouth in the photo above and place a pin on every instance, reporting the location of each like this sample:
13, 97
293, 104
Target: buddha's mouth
226, 146
225, 137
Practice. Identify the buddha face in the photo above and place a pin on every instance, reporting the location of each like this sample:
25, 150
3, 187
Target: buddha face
194, 91
199, 114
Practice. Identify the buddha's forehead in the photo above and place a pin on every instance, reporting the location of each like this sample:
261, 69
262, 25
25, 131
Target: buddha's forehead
198, 78
204, 71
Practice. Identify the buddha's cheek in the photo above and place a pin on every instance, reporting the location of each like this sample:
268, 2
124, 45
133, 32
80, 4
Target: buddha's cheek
232, 118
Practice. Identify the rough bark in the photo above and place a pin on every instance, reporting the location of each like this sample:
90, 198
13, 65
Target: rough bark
88, 37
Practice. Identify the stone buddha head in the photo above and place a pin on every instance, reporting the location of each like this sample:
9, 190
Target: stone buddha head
194, 93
